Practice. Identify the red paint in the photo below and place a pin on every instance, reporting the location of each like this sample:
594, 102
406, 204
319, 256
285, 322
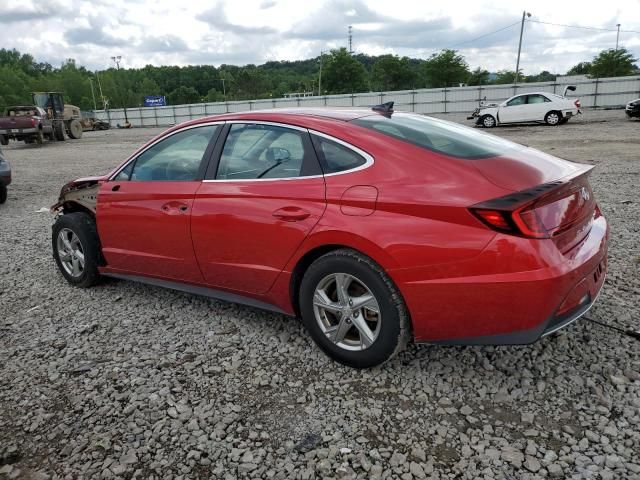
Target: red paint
409, 212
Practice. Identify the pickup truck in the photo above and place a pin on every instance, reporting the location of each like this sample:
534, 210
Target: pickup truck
28, 123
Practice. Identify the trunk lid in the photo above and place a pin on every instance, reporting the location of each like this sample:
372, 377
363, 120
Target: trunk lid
552, 197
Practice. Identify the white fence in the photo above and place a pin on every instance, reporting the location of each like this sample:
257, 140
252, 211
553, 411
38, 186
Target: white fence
593, 93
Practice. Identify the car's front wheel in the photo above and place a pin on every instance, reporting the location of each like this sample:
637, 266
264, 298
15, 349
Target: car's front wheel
76, 248
488, 121
352, 309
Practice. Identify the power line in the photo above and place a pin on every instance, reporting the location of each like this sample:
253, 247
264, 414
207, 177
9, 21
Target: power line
482, 36
584, 27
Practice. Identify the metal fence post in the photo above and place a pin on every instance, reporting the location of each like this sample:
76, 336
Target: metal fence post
413, 101
175, 119
445, 100
595, 95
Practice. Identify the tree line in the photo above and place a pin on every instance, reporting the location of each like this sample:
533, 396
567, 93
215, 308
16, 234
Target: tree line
332, 73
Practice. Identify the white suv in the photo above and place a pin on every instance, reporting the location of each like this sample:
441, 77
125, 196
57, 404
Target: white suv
528, 107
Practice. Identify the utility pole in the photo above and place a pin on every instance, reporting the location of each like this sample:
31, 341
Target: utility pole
224, 90
93, 95
350, 40
104, 105
320, 75
527, 14
124, 107
617, 36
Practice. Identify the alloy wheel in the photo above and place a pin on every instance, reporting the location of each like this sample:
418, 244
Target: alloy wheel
347, 311
70, 252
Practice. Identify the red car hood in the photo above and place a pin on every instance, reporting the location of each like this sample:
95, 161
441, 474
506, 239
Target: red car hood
525, 168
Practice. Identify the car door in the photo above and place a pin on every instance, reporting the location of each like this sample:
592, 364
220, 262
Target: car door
259, 201
143, 212
514, 110
537, 107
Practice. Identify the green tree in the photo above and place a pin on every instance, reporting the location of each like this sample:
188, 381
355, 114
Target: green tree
582, 68
505, 76
543, 76
341, 73
613, 63
478, 77
391, 72
149, 87
182, 95
445, 69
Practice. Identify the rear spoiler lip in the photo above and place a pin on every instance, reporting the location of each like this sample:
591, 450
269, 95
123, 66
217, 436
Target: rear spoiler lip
515, 200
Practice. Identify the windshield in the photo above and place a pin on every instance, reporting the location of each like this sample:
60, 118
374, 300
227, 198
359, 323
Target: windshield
438, 135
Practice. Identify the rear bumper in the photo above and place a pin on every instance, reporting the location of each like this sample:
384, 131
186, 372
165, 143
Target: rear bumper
19, 131
508, 308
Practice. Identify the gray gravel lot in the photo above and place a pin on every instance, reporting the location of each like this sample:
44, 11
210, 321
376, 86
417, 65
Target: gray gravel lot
131, 381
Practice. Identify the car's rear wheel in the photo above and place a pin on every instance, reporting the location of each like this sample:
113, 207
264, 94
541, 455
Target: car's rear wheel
488, 121
4, 140
76, 248
553, 118
352, 309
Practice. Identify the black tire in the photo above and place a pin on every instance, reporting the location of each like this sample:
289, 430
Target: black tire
4, 140
553, 118
58, 130
488, 121
84, 227
395, 329
39, 137
3, 193
29, 140
74, 129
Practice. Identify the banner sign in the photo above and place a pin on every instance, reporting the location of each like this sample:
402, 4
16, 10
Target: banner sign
155, 101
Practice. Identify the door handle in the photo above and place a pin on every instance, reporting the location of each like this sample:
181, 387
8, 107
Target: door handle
291, 214
115, 188
174, 208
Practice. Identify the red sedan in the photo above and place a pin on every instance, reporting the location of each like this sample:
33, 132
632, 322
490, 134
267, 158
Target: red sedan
375, 227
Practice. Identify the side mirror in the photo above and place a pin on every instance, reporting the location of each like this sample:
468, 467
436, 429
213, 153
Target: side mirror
277, 155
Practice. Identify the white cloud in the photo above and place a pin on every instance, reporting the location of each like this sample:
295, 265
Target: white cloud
165, 32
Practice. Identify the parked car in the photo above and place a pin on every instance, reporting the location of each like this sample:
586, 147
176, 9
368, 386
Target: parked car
633, 109
25, 122
544, 107
5, 177
374, 226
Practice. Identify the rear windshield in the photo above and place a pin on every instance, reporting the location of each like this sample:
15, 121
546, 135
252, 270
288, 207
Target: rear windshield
438, 135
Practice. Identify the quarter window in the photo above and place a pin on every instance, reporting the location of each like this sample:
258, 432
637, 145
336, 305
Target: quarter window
254, 151
335, 157
175, 158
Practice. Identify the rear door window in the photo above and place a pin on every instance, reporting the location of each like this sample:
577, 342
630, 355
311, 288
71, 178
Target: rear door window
537, 98
262, 151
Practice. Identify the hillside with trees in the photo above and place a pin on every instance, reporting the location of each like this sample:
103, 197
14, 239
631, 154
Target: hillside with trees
21, 74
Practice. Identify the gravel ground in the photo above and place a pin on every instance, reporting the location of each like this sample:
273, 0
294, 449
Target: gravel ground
131, 381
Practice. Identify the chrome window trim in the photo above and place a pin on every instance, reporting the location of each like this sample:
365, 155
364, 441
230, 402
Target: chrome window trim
369, 160
158, 140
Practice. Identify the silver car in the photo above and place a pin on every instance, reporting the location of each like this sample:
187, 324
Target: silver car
5, 177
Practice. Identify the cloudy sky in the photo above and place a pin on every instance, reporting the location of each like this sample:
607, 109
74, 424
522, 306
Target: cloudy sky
170, 32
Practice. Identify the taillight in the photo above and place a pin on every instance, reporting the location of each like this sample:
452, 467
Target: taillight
33, 122
577, 103
544, 211
494, 219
